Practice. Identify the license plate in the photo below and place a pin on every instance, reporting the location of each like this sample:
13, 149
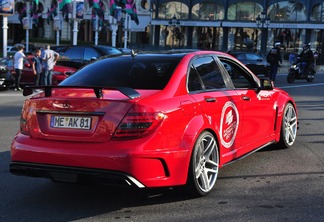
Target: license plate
71, 122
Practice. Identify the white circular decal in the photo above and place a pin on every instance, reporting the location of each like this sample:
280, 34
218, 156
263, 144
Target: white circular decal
229, 124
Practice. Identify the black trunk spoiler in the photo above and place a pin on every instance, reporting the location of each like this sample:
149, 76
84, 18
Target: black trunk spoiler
129, 92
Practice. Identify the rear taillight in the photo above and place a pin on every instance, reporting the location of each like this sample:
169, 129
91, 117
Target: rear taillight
136, 125
23, 126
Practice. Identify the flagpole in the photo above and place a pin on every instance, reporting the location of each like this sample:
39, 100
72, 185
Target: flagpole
59, 20
96, 27
28, 20
126, 24
113, 28
5, 35
75, 23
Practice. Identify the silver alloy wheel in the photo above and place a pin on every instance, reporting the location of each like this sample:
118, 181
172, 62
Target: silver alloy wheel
289, 122
205, 162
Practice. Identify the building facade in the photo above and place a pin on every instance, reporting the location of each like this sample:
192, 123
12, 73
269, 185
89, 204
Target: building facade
206, 24
232, 24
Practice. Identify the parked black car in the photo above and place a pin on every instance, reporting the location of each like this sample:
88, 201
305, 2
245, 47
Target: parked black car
78, 56
254, 62
6, 80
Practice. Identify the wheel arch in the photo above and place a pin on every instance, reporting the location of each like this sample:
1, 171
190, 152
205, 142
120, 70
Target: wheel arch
192, 133
282, 100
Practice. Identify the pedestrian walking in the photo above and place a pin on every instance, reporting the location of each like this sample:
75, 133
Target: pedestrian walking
18, 63
274, 58
49, 59
37, 66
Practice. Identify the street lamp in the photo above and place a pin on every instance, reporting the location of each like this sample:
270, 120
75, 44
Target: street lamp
174, 23
263, 22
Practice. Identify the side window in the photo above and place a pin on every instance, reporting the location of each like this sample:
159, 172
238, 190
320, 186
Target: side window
240, 77
90, 53
194, 81
209, 73
75, 53
252, 57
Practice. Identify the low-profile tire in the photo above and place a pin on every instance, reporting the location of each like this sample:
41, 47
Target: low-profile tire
204, 165
310, 78
291, 77
289, 127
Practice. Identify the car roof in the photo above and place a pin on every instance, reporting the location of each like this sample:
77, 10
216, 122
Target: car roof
161, 53
233, 53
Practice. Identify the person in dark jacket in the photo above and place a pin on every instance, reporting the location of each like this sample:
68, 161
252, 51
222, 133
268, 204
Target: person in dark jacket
37, 65
274, 58
306, 57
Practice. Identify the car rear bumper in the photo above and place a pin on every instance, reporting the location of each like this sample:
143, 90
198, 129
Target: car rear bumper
74, 174
152, 167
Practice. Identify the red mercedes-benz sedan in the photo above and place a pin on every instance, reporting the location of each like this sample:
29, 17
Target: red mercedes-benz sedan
153, 119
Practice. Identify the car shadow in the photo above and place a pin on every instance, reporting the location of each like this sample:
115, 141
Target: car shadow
39, 196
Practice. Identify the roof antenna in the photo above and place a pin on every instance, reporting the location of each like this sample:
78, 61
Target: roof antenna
133, 53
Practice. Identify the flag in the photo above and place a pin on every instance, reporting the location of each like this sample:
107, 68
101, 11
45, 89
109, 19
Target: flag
113, 8
79, 10
130, 8
65, 6
97, 8
114, 12
22, 12
34, 11
51, 12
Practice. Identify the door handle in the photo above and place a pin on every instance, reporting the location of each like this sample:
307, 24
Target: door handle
210, 99
246, 98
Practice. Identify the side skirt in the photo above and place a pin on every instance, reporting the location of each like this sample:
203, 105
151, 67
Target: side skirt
249, 153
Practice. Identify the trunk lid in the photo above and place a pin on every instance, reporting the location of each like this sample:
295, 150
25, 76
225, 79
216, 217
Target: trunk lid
75, 114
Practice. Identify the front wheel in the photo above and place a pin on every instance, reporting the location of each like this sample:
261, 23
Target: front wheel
289, 127
291, 77
204, 165
310, 78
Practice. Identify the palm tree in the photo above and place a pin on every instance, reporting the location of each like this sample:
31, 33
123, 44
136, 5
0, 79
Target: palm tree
298, 8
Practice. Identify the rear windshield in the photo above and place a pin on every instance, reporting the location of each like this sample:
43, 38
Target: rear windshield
140, 73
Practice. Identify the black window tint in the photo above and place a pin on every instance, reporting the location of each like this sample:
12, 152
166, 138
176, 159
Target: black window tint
105, 50
252, 57
90, 53
240, 56
194, 81
209, 73
75, 53
124, 71
240, 77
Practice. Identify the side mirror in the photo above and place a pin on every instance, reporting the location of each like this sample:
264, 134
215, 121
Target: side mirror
266, 84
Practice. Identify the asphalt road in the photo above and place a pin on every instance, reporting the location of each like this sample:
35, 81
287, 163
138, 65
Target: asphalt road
270, 185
